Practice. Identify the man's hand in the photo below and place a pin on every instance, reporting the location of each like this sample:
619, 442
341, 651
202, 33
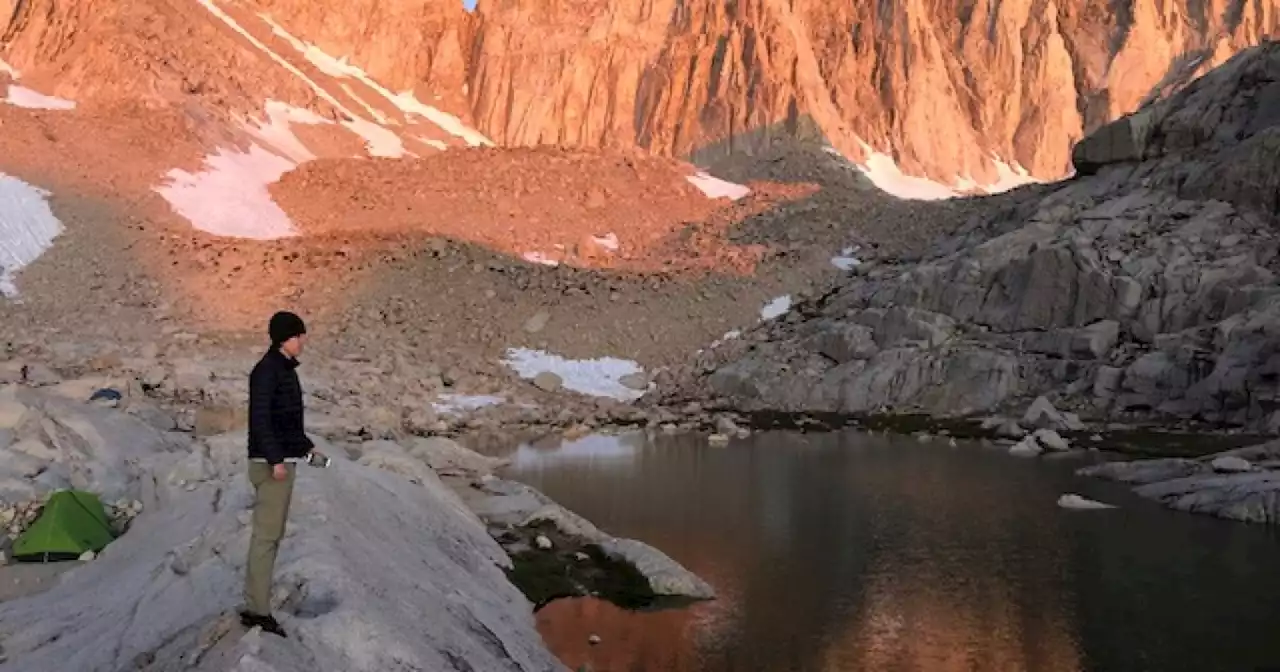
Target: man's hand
279, 472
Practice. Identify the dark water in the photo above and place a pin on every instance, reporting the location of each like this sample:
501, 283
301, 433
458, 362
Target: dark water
849, 552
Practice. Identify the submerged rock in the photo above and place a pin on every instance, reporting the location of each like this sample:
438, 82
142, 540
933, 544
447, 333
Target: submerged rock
1078, 503
1027, 447
518, 513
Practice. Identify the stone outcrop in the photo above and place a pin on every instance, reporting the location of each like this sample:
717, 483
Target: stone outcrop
358, 534
1241, 484
1146, 286
384, 565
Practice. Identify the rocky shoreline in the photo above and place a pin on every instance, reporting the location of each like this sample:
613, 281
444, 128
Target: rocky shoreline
453, 530
166, 456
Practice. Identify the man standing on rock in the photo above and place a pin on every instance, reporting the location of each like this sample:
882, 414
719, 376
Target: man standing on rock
277, 442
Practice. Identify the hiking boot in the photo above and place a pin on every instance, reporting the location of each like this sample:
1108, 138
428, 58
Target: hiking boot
268, 623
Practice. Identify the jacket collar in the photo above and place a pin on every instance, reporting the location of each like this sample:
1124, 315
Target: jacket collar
274, 353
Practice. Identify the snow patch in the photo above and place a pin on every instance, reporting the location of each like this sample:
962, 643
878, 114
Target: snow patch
884, 173
380, 141
1011, 177
608, 241
21, 96
845, 261
728, 336
276, 134
715, 187
409, 104
433, 143
9, 70
1078, 503
596, 377
375, 136
27, 228
539, 258
404, 101
776, 307
229, 196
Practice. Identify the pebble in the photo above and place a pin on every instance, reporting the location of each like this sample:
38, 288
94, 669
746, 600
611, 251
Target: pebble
593, 639
542, 542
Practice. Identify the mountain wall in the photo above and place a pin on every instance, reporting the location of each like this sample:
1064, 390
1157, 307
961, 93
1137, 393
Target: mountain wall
1143, 289
942, 86
945, 87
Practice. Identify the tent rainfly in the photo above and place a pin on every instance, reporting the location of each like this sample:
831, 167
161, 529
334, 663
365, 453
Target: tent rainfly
72, 522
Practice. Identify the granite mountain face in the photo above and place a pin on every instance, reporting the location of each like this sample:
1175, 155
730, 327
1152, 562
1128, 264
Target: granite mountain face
954, 90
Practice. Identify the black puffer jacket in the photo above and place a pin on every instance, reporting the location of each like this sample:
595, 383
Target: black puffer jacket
275, 410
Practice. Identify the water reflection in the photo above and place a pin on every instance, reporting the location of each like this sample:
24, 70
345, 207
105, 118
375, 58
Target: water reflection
848, 552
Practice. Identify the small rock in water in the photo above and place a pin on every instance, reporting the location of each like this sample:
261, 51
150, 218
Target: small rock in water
1025, 448
87, 556
593, 639
725, 425
580, 556
542, 542
1042, 414
1231, 464
718, 440
1079, 503
1051, 440
1010, 429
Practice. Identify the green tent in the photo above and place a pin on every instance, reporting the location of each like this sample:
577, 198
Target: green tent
72, 522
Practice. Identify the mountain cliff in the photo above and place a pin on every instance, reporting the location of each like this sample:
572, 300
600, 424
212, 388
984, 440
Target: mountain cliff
958, 91
1145, 287
944, 87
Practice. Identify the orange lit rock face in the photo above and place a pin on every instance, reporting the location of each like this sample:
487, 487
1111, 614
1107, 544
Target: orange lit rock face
943, 87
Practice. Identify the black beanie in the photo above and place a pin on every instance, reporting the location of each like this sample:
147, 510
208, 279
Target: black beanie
284, 326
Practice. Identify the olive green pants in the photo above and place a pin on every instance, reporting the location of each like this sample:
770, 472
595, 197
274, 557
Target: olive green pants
270, 513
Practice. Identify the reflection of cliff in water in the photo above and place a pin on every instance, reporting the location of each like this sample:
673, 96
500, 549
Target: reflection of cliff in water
930, 603
753, 520
835, 552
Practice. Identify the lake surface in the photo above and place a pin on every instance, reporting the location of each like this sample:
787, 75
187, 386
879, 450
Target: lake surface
845, 551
